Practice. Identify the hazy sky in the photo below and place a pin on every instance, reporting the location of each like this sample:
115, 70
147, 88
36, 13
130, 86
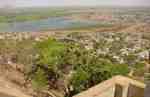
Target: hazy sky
23, 3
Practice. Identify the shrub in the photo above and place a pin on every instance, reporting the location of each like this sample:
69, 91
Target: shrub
40, 80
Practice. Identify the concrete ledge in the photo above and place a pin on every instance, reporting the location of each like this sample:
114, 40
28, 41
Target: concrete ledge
107, 88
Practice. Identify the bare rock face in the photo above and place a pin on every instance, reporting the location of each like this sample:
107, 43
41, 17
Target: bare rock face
5, 95
12, 80
7, 89
12, 74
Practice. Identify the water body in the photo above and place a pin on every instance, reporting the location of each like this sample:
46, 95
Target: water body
45, 24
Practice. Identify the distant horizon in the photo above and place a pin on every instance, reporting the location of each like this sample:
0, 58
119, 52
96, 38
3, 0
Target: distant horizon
68, 3
77, 6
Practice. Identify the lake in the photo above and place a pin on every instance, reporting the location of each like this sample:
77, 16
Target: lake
46, 24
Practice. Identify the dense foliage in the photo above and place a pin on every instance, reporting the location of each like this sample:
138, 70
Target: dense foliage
83, 67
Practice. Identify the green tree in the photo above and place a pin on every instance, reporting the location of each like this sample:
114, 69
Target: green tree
49, 59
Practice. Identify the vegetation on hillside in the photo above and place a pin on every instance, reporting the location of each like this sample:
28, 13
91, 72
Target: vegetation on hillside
79, 68
77, 61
